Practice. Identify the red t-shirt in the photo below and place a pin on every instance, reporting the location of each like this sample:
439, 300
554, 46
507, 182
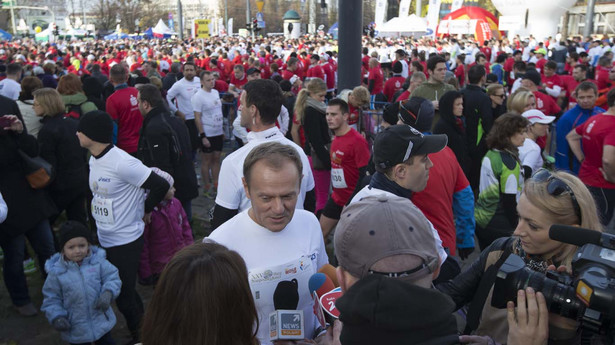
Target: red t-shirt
330, 74
123, 109
376, 75
460, 73
393, 85
546, 104
239, 83
552, 81
602, 77
404, 96
540, 65
597, 132
354, 114
221, 86
436, 200
286, 74
316, 72
349, 152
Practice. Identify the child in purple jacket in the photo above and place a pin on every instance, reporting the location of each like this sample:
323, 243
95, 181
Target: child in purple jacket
168, 232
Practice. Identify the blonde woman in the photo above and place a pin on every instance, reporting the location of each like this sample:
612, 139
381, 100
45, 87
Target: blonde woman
521, 101
548, 198
310, 116
497, 95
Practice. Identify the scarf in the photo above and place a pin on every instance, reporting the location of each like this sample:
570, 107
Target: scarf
534, 262
460, 123
320, 106
380, 181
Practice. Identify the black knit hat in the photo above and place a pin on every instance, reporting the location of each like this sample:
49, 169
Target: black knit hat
383, 310
72, 229
98, 126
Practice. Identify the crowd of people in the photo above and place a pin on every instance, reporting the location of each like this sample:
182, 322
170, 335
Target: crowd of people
383, 187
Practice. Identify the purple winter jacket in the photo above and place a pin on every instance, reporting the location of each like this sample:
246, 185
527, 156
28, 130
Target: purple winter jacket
168, 232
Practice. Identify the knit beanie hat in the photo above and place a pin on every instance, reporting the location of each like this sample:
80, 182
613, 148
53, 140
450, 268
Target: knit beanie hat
72, 229
97, 125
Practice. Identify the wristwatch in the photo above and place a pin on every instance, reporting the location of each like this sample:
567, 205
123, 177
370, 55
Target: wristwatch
201, 135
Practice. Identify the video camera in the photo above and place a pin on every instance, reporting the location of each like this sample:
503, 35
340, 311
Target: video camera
587, 296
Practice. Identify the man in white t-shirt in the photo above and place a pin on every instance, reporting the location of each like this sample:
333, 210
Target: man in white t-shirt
208, 119
120, 207
261, 101
277, 242
10, 87
182, 92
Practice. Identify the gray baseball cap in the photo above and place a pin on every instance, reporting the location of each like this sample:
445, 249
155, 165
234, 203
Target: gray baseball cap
381, 226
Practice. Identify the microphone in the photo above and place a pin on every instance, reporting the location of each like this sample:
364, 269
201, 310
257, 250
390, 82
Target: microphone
286, 322
319, 284
329, 270
580, 236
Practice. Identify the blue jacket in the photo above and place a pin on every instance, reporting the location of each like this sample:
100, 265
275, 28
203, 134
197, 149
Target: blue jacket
571, 119
463, 210
71, 291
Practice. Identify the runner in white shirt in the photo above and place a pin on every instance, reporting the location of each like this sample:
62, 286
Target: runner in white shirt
277, 241
208, 119
260, 102
120, 207
10, 87
182, 92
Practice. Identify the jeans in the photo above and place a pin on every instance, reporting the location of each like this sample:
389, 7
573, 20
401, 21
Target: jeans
126, 258
41, 239
106, 339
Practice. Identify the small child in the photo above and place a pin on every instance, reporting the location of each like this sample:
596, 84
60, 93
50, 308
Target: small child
167, 233
80, 286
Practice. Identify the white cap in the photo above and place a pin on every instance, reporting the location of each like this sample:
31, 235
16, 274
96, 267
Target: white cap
537, 116
91, 57
293, 79
38, 70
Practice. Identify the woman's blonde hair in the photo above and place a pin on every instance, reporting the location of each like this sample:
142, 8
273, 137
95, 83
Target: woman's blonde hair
518, 100
561, 210
50, 100
361, 95
492, 88
312, 87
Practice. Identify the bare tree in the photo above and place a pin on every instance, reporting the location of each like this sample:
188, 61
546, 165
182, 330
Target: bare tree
107, 11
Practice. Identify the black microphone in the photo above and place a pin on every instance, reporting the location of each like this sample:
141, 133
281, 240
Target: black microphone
286, 322
286, 295
581, 236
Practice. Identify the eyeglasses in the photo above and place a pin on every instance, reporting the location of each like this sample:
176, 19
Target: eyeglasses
556, 187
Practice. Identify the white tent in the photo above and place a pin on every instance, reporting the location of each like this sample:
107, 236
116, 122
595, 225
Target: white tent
406, 26
162, 29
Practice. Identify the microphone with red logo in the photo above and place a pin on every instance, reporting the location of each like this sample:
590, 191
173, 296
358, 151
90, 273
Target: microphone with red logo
325, 293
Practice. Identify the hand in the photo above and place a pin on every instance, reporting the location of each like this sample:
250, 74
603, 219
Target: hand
332, 337
104, 300
463, 253
531, 326
604, 175
16, 125
180, 115
436, 104
61, 324
476, 340
205, 142
147, 218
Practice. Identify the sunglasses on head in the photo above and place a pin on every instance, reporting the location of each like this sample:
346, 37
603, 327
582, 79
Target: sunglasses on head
556, 187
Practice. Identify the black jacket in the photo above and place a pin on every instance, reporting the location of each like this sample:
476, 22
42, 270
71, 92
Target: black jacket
27, 206
316, 135
60, 147
457, 138
164, 143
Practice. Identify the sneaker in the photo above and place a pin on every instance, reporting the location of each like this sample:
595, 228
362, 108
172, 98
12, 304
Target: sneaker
29, 266
27, 310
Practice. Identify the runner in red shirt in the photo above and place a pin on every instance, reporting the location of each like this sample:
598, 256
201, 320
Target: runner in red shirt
315, 70
123, 108
570, 83
349, 158
291, 68
375, 78
552, 82
394, 84
238, 80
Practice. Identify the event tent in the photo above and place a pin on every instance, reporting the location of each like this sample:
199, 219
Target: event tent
5, 35
470, 20
162, 31
406, 26
116, 36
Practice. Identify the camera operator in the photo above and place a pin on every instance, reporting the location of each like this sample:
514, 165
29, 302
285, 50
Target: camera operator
548, 198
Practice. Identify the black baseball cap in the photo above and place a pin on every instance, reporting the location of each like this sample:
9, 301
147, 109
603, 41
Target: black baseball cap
252, 70
395, 144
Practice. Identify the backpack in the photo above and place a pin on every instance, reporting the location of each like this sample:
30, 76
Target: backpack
74, 110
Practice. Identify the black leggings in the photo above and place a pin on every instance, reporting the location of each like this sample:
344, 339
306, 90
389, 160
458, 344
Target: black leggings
126, 258
605, 202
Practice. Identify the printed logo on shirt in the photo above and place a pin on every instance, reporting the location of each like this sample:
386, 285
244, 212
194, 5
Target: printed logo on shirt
133, 100
265, 276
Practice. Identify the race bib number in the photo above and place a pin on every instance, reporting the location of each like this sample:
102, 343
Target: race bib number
337, 178
102, 210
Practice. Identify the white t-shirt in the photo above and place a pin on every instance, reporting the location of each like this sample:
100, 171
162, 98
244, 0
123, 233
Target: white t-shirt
10, 88
231, 194
118, 204
241, 132
367, 191
530, 155
210, 107
296, 252
182, 91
